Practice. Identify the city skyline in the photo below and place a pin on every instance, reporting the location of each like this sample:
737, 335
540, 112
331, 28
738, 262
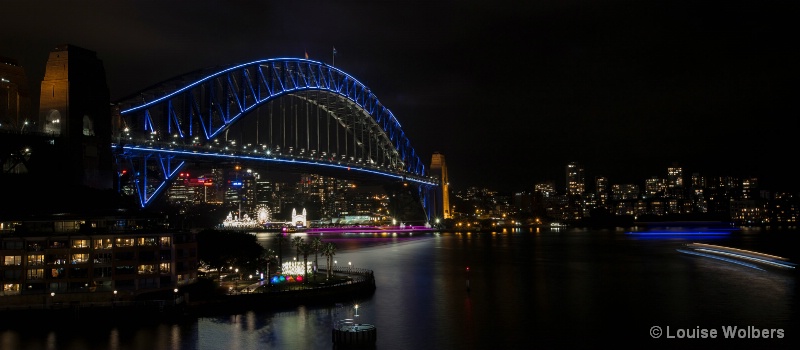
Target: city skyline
521, 89
559, 182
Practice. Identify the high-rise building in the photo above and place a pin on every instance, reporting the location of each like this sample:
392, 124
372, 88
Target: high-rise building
674, 185
218, 189
697, 193
442, 201
601, 189
181, 192
249, 192
265, 194
576, 183
750, 188
547, 189
784, 209
623, 192
653, 187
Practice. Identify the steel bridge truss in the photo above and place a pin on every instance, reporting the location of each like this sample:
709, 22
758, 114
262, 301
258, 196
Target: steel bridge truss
339, 122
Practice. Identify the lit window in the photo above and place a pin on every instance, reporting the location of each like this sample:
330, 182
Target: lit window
13, 260
103, 243
146, 241
36, 259
80, 258
80, 243
11, 289
124, 242
35, 274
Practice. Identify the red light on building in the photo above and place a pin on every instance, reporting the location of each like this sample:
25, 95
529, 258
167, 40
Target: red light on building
201, 181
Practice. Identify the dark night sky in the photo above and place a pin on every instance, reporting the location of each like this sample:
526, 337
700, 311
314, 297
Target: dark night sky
508, 91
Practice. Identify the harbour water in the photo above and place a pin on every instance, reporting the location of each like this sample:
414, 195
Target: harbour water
519, 289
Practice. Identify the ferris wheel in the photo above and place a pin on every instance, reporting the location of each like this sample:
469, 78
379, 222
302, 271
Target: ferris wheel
263, 214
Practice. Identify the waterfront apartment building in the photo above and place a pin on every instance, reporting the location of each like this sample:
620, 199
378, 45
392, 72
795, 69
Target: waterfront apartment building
92, 259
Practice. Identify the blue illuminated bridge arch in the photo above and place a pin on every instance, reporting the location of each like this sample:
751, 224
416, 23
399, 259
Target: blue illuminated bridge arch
284, 113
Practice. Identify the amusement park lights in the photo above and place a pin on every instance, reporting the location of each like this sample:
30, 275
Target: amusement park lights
295, 268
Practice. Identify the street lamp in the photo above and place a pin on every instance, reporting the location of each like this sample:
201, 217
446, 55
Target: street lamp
176, 296
349, 267
356, 310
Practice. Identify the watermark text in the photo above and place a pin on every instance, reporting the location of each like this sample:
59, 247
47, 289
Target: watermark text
722, 332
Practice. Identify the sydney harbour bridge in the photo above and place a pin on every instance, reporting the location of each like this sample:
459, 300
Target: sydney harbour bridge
285, 114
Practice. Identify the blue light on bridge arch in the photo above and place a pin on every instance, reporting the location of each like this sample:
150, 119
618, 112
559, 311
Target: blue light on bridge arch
293, 161
372, 99
224, 71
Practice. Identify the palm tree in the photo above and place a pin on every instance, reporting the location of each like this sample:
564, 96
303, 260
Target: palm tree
316, 246
281, 239
329, 251
266, 258
296, 242
305, 248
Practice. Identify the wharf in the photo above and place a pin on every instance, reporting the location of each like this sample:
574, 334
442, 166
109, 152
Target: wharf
190, 303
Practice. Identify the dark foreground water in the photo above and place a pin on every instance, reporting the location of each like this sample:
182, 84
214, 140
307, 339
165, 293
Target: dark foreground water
569, 288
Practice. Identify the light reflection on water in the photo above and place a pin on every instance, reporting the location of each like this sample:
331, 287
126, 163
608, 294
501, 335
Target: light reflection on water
555, 289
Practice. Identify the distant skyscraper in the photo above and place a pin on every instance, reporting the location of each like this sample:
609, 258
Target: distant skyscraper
547, 189
698, 193
750, 188
601, 188
674, 188
622, 192
575, 179
653, 187
442, 200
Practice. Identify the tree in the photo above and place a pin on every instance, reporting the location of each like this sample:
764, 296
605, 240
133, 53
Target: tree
296, 242
281, 239
305, 248
329, 251
225, 248
267, 259
316, 247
